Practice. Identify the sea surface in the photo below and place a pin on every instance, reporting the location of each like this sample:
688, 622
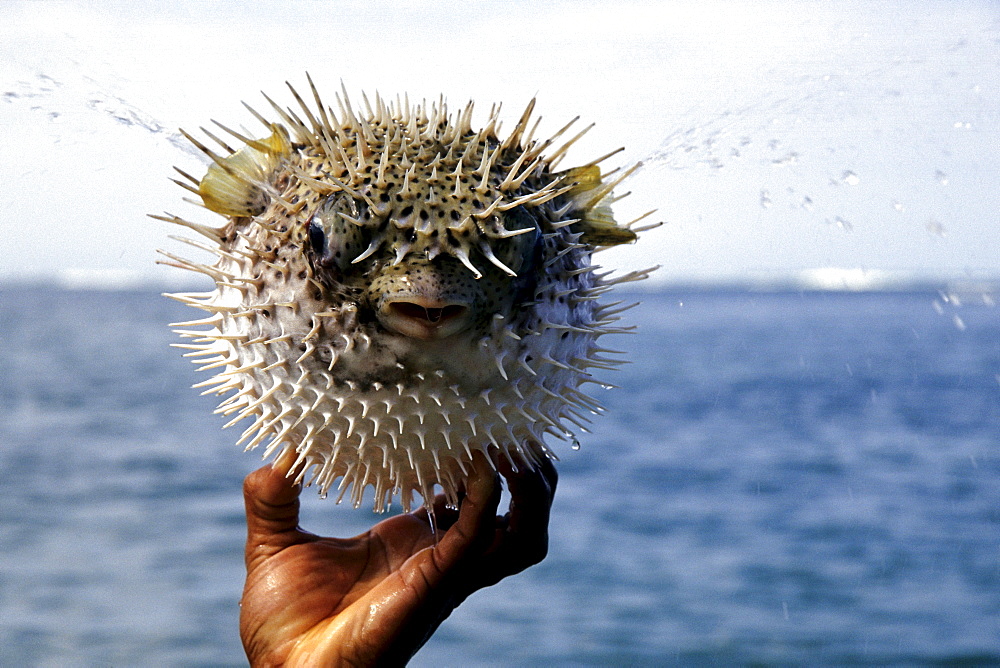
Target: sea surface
796, 478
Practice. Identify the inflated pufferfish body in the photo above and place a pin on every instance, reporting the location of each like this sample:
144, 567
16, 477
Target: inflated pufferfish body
395, 290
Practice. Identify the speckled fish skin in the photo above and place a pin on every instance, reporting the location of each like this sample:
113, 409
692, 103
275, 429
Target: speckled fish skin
395, 290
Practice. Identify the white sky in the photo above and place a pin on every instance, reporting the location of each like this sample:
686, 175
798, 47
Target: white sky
777, 136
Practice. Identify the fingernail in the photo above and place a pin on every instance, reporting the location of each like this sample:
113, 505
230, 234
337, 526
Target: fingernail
283, 463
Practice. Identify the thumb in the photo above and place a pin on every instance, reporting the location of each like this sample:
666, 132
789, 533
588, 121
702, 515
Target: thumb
272, 505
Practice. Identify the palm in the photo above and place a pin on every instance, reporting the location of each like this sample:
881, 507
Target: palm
378, 596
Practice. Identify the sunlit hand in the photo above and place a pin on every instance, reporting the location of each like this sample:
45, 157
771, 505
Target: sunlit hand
376, 598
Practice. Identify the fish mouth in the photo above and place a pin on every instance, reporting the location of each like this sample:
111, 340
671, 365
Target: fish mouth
424, 318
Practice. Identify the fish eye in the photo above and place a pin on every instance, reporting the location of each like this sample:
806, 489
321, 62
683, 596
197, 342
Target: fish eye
317, 237
521, 250
338, 233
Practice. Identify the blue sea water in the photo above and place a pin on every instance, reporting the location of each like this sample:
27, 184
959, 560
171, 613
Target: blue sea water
782, 479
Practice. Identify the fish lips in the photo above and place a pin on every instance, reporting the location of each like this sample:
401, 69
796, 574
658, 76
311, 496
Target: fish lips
424, 318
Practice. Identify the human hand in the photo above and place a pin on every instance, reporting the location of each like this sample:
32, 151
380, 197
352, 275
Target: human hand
377, 598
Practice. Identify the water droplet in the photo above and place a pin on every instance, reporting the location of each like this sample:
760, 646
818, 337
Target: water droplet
322, 496
959, 323
433, 522
850, 178
941, 177
898, 206
935, 228
576, 444
788, 159
806, 203
765, 199
843, 224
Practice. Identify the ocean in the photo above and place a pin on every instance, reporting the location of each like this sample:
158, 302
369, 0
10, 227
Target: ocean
784, 478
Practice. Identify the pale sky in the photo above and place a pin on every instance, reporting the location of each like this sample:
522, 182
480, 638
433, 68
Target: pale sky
777, 136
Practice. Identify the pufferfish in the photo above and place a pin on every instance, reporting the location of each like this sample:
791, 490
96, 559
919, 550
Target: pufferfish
395, 290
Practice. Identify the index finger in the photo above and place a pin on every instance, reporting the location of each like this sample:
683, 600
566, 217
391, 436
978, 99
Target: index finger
531, 494
524, 540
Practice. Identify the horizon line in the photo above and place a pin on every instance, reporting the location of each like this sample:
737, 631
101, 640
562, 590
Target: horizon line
818, 279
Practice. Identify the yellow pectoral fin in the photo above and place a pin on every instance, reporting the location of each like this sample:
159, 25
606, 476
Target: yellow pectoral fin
596, 222
585, 179
601, 234
232, 185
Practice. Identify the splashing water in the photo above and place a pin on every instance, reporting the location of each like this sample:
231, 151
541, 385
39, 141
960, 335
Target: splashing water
881, 131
